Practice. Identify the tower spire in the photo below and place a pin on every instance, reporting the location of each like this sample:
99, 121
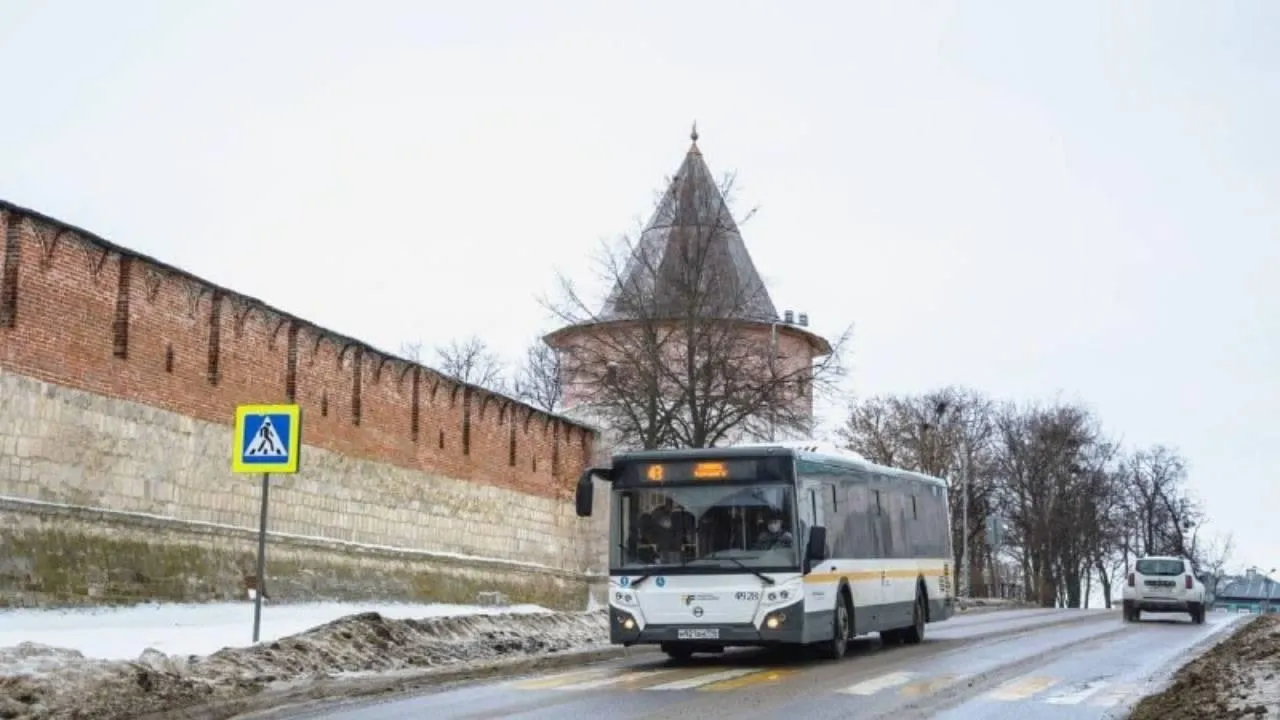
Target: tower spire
694, 135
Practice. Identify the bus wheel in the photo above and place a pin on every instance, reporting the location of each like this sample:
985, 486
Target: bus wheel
914, 634
679, 653
835, 648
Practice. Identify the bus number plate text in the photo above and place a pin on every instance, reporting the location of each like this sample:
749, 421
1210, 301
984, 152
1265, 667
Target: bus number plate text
698, 634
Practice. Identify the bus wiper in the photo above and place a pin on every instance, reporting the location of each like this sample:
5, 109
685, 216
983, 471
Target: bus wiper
641, 579
767, 580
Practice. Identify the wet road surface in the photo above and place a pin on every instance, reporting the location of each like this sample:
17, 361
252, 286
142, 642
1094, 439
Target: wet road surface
1051, 664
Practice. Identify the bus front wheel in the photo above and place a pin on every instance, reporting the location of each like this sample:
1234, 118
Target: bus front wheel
835, 648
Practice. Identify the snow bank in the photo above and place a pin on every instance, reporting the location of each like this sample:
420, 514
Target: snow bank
123, 633
45, 682
1235, 678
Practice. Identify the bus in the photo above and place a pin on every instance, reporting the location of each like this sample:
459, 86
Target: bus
770, 545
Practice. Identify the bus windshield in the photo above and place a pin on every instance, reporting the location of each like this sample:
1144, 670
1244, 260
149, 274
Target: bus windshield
705, 526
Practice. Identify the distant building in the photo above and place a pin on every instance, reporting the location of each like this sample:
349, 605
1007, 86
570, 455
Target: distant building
1252, 592
692, 220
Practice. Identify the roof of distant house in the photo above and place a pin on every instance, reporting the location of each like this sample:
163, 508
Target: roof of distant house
1252, 586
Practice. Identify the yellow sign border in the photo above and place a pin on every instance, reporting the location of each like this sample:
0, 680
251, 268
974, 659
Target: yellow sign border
294, 441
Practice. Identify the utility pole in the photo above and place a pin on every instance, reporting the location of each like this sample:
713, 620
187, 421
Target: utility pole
964, 513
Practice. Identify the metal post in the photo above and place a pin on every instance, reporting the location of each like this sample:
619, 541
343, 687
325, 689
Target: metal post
964, 540
260, 582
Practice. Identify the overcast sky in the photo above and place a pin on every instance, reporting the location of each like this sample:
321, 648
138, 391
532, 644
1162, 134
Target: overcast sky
1076, 203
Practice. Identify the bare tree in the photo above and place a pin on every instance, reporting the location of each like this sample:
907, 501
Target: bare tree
682, 352
471, 361
540, 380
1211, 562
412, 351
1075, 508
1165, 517
946, 433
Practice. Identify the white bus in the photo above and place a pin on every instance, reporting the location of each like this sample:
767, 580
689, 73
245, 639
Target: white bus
771, 545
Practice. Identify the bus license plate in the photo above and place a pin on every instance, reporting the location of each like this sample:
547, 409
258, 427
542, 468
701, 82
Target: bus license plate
699, 634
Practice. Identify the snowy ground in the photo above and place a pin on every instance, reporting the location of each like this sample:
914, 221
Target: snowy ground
123, 633
1238, 678
132, 662
153, 660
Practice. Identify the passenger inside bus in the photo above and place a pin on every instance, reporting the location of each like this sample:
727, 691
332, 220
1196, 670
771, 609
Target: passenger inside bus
668, 531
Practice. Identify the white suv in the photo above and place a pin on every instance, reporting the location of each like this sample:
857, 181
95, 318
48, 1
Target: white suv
1163, 584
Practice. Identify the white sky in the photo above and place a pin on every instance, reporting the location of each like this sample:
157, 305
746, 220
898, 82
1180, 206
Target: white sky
1077, 202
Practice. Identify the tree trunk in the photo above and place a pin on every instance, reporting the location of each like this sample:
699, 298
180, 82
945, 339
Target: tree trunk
1105, 580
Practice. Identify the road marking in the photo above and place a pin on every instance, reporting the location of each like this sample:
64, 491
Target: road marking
1077, 695
758, 678
561, 680
1021, 689
629, 678
700, 680
876, 684
929, 686
1118, 694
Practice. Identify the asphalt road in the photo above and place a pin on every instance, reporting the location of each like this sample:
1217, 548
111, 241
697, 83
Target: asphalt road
1046, 664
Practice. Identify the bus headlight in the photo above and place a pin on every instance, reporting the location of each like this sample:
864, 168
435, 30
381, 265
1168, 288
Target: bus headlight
624, 620
775, 620
624, 597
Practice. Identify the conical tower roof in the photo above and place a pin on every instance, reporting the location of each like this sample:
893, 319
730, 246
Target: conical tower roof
691, 237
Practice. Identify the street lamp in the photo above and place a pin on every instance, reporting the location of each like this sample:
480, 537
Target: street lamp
1266, 579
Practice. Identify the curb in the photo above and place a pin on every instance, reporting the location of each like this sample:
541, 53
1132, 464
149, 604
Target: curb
290, 701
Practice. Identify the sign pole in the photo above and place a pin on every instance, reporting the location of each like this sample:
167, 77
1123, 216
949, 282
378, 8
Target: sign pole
266, 441
262, 558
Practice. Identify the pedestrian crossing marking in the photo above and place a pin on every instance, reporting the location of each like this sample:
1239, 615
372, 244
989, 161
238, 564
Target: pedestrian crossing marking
1021, 688
1077, 695
1117, 695
913, 685
700, 680
877, 684
563, 680
763, 677
929, 686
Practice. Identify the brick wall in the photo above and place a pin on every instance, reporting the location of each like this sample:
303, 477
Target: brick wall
141, 366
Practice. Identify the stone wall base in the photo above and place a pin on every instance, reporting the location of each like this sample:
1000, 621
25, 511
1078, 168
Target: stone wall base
58, 555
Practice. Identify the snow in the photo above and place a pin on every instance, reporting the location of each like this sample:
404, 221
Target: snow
173, 629
175, 670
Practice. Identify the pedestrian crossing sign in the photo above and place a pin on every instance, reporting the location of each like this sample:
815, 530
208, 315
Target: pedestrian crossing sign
266, 439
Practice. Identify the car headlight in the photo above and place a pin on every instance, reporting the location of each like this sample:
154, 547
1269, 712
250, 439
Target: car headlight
624, 597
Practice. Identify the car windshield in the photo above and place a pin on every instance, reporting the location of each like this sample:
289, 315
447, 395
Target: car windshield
704, 526
1160, 567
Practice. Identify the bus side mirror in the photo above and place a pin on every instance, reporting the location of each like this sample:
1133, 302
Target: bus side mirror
585, 496
816, 551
